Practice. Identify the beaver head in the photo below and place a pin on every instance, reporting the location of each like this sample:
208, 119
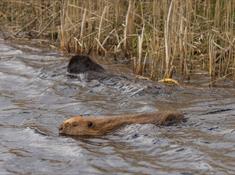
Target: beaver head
80, 64
77, 126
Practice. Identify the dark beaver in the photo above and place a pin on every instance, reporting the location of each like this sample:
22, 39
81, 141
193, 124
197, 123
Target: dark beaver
82, 63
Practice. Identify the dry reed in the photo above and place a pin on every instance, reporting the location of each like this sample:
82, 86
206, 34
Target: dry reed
164, 38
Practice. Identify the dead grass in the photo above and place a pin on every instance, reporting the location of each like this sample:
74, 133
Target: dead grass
163, 38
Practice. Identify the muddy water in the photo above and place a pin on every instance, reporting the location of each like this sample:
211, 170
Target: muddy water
36, 96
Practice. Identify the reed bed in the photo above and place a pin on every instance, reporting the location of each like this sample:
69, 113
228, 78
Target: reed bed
162, 38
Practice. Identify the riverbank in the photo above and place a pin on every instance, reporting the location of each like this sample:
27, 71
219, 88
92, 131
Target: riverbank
161, 39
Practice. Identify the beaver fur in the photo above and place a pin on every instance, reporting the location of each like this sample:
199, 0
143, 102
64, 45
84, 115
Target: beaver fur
101, 125
80, 64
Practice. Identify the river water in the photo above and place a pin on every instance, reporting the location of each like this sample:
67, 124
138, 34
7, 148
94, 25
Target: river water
36, 95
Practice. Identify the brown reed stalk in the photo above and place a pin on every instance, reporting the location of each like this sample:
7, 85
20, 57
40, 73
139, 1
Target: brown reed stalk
128, 23
212, 55
63, 42
82, 29
139, 66
167, 43
99, 31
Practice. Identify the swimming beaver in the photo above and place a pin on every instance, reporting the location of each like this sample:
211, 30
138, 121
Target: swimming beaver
97, 126
81, 64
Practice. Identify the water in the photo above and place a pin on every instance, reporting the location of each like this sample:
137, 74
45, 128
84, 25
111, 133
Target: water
36, 95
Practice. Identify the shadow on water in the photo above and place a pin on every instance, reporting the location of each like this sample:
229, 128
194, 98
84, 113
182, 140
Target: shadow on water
36, 96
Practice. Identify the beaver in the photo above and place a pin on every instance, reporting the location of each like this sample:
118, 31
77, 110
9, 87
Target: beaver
81, 63
101, 125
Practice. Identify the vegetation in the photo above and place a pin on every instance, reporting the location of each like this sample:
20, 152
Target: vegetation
161, 37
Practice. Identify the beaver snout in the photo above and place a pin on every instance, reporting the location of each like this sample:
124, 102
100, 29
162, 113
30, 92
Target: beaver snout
62, 129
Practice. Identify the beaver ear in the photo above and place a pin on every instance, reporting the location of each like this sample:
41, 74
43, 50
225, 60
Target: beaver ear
90, 124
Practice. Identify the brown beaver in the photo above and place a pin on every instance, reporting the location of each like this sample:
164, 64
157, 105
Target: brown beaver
97, 126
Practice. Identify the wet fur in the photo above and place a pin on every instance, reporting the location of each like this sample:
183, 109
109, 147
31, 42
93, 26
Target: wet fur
101, 125
81, 64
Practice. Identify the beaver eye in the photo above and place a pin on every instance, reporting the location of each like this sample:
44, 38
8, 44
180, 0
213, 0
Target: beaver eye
90, 124
74, 124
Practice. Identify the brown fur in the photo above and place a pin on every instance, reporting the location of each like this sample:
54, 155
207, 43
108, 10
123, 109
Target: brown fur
100, 125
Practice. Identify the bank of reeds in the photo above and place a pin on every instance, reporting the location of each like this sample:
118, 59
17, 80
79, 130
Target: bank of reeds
161, 37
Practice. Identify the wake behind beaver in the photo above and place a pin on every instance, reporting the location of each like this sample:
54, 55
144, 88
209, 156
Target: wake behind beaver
86, 69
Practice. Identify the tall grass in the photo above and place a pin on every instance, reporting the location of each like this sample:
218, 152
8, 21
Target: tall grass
163, 38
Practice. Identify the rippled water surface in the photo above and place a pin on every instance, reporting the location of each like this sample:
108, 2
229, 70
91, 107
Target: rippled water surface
36, 95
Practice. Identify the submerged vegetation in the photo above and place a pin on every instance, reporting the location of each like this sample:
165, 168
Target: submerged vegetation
160, 37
